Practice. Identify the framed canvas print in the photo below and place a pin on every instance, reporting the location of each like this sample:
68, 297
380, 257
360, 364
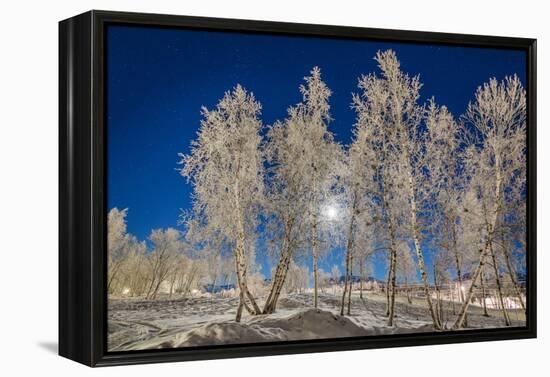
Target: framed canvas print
236, 188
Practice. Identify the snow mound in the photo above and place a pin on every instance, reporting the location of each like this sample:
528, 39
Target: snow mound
219, 333
308, 324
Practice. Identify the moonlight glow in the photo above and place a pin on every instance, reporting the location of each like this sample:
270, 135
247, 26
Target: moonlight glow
331, 212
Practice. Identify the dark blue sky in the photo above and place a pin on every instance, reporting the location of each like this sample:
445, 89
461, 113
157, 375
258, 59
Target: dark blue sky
158, 79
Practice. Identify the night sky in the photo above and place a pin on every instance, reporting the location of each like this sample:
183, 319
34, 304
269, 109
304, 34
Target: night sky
158, 79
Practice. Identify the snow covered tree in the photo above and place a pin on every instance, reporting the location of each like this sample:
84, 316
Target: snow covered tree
301, 153
446, 184
319, 151
167, 245
226, 169
335, 275
356, 181
406, 270
497, 117
122, 250
117, 241
387, 109
405, 115
324, 280
287, 201
365, 246
510, 233
297, 279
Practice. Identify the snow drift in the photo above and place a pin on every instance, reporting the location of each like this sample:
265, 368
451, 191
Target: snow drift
307, 324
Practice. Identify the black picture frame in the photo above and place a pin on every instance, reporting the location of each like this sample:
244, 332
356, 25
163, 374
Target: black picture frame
82, 190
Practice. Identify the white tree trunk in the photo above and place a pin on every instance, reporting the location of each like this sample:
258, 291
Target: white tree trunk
241, 264
419, 253
350, 280
459, 274
315, 256
513, 277
483, 253
361, 276
349, 248
482, 279
499, 285
279, 277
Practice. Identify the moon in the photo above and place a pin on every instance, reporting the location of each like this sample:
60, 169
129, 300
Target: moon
331, 212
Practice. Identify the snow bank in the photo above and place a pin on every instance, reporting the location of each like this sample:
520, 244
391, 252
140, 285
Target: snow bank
196, 321
307, 324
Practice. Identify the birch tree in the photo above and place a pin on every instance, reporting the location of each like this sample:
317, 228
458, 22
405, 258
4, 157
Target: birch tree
406, 270
370, 128
388, 105
287, 200
226, 169
301, 152
356, 182
511, 235
167, 246
447, 180
320, 151
406, 115
335, 275
117, 240
365, 248
324, 280
498, 116
122, 249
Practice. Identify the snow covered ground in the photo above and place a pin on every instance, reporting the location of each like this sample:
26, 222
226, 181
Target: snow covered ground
136, 324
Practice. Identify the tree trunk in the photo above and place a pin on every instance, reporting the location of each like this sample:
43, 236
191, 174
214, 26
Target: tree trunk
213, 290
281, 271
241, 287
452, 294
172, 282
113, 272
190, 279
408, 291
436, 294
393, 274
361, 276
278, 279
462, 313
499, 285
241, 264
350, 281
513, 276
419, 253
150, 289
485, 313
388, 281
393, 279
439, 306
240, 307
273, 304
483, 252
314, 252
390, 284
156, 290
241, 267
459, 274
348, 252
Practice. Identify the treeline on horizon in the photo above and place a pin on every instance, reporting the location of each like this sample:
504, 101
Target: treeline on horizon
415, 181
